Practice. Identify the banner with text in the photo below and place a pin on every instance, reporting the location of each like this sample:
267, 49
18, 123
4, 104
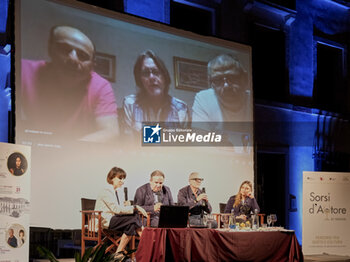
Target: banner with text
326, 219
14, 202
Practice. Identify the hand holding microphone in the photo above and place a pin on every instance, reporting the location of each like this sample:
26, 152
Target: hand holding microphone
203, 196
126, 202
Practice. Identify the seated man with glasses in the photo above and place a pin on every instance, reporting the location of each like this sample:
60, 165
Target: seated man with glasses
152, 103
196, 199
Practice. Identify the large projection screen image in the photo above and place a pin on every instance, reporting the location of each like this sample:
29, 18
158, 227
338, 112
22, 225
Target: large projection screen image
88, 83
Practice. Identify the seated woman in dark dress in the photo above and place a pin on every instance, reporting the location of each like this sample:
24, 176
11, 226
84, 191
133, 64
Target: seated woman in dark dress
119, 216
243, 203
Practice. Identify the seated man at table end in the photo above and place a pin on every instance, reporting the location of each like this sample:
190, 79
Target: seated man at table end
196, 199
152, 195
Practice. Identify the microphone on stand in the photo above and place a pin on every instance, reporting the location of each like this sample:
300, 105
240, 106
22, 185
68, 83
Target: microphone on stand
126, 193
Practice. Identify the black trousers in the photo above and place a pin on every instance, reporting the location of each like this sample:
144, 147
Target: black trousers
127, 224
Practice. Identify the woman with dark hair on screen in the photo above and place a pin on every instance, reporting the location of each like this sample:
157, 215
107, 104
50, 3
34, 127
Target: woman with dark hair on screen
152, 103
243, 203
118, 216
17, 170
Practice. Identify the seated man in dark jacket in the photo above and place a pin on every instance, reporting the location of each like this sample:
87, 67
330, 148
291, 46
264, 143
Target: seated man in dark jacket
196, 199
152, 195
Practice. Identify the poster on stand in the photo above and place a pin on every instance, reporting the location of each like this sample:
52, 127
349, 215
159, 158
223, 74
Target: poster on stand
15, 163
326, 219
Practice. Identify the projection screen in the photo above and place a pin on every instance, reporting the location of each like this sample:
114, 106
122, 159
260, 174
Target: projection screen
66, 167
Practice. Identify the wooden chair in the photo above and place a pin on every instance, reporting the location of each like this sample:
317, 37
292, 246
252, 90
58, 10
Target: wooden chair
218, 215
91, 227
222, 207
148, 219
261, 216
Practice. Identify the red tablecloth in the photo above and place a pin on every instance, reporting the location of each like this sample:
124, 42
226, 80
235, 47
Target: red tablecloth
190, 244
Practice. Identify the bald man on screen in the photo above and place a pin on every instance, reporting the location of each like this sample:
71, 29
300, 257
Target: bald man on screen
64, 95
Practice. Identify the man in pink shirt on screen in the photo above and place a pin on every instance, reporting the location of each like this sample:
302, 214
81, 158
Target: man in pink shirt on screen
65, 96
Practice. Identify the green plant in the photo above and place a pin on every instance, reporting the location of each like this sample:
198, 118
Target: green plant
91, 255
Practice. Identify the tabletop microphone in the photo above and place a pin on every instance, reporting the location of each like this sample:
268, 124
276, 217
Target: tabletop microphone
126, 193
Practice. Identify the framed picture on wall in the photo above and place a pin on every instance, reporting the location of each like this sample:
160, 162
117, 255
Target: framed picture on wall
190, 74
105, 66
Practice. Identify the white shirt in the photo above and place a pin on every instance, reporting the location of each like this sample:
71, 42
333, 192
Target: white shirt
107, 203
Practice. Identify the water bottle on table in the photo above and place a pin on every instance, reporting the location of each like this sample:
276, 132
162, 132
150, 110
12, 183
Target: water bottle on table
232, 220
255, 220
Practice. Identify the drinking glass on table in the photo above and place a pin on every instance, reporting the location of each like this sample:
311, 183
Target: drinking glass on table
269, 220
210, 220
273, 219
225, 220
